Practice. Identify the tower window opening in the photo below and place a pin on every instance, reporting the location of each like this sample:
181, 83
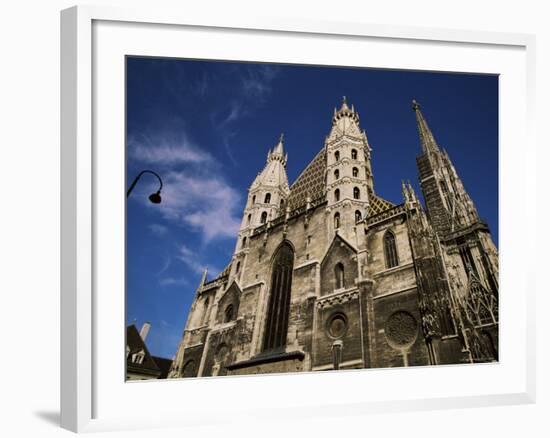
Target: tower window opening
337, 221
356, 193
358, 216
248, 219
337, 156
355, 172
267, 199
354, 154
336, 174
336, 195
263, 218
254, 199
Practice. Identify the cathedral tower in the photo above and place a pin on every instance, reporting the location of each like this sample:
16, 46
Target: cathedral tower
349, 182
267, 198
471, 257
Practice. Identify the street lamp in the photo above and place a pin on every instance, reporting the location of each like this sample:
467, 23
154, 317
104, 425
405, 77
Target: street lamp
153, 197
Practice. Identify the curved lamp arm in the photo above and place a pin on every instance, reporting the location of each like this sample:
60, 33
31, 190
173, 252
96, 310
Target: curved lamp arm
155, 197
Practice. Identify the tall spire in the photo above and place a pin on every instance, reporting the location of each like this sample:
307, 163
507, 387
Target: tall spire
427, 139
278, 152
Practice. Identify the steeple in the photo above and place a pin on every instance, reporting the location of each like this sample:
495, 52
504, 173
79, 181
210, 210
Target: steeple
448, 204
278, 152
427, 139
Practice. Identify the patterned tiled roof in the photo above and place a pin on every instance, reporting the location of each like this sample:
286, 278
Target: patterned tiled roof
378, 205
311, 182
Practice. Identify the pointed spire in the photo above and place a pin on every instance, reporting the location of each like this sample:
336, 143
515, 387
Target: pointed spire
278, 152
203, 278
279, 147
427, 139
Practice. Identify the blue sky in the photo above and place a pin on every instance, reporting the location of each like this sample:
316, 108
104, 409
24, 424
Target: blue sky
206, 127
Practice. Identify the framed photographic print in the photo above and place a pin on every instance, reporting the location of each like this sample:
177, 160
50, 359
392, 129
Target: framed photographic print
270, 208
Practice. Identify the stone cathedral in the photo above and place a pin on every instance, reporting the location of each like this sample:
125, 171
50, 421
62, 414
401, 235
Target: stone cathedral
328, 275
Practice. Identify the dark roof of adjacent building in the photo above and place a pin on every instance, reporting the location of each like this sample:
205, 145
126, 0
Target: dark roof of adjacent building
164, 366
135, 345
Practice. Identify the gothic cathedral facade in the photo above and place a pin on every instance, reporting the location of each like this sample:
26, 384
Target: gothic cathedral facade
328, 275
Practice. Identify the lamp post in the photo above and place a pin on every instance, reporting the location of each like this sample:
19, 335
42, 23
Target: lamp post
153, 197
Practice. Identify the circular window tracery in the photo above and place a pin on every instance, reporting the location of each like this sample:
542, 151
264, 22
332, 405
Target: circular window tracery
337, 325
401, 329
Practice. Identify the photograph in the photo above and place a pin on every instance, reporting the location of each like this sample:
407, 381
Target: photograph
286, 218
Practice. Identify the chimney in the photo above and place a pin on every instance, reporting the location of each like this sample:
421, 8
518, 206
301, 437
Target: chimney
144, 330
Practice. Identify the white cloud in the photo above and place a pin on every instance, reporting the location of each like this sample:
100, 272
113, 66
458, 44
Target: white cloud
172, 281
203, 201
167, 150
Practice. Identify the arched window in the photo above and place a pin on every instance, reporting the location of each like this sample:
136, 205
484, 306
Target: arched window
228, 313
267, 199
354, 154
356, 193
336, 195
355, 172
244, 242
336, 156
188, 369
263, 218
279, 299
358, 216
238, 268
282, 203
248, 219
254, 199
336, 174
339, 276
390, 250
337, 221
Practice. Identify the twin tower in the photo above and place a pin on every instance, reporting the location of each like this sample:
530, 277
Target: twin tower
327, 274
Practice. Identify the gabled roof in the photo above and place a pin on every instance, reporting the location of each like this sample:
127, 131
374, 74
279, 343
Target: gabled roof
135, 345
329, 249
311, 182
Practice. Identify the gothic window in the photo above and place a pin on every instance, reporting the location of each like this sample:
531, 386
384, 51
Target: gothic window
228, 313
355, 172
356, 193
238, 268
390, 250
354, 154
339, 276
248, 219
357, 216
244, 242
282, 203
336, 174
263, 218
279, 299
189, 369
337, 221
337, 156
254, 199
267, 199
336, 195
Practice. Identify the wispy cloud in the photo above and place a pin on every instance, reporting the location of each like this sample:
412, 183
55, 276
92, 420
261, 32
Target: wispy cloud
257, 82
170, 149
174, 281
158, 230
203, 201
191, 260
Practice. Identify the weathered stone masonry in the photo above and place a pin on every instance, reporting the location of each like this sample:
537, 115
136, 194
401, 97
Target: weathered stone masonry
326, 263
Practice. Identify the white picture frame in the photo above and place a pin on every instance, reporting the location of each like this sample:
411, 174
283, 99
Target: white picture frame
86, 403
